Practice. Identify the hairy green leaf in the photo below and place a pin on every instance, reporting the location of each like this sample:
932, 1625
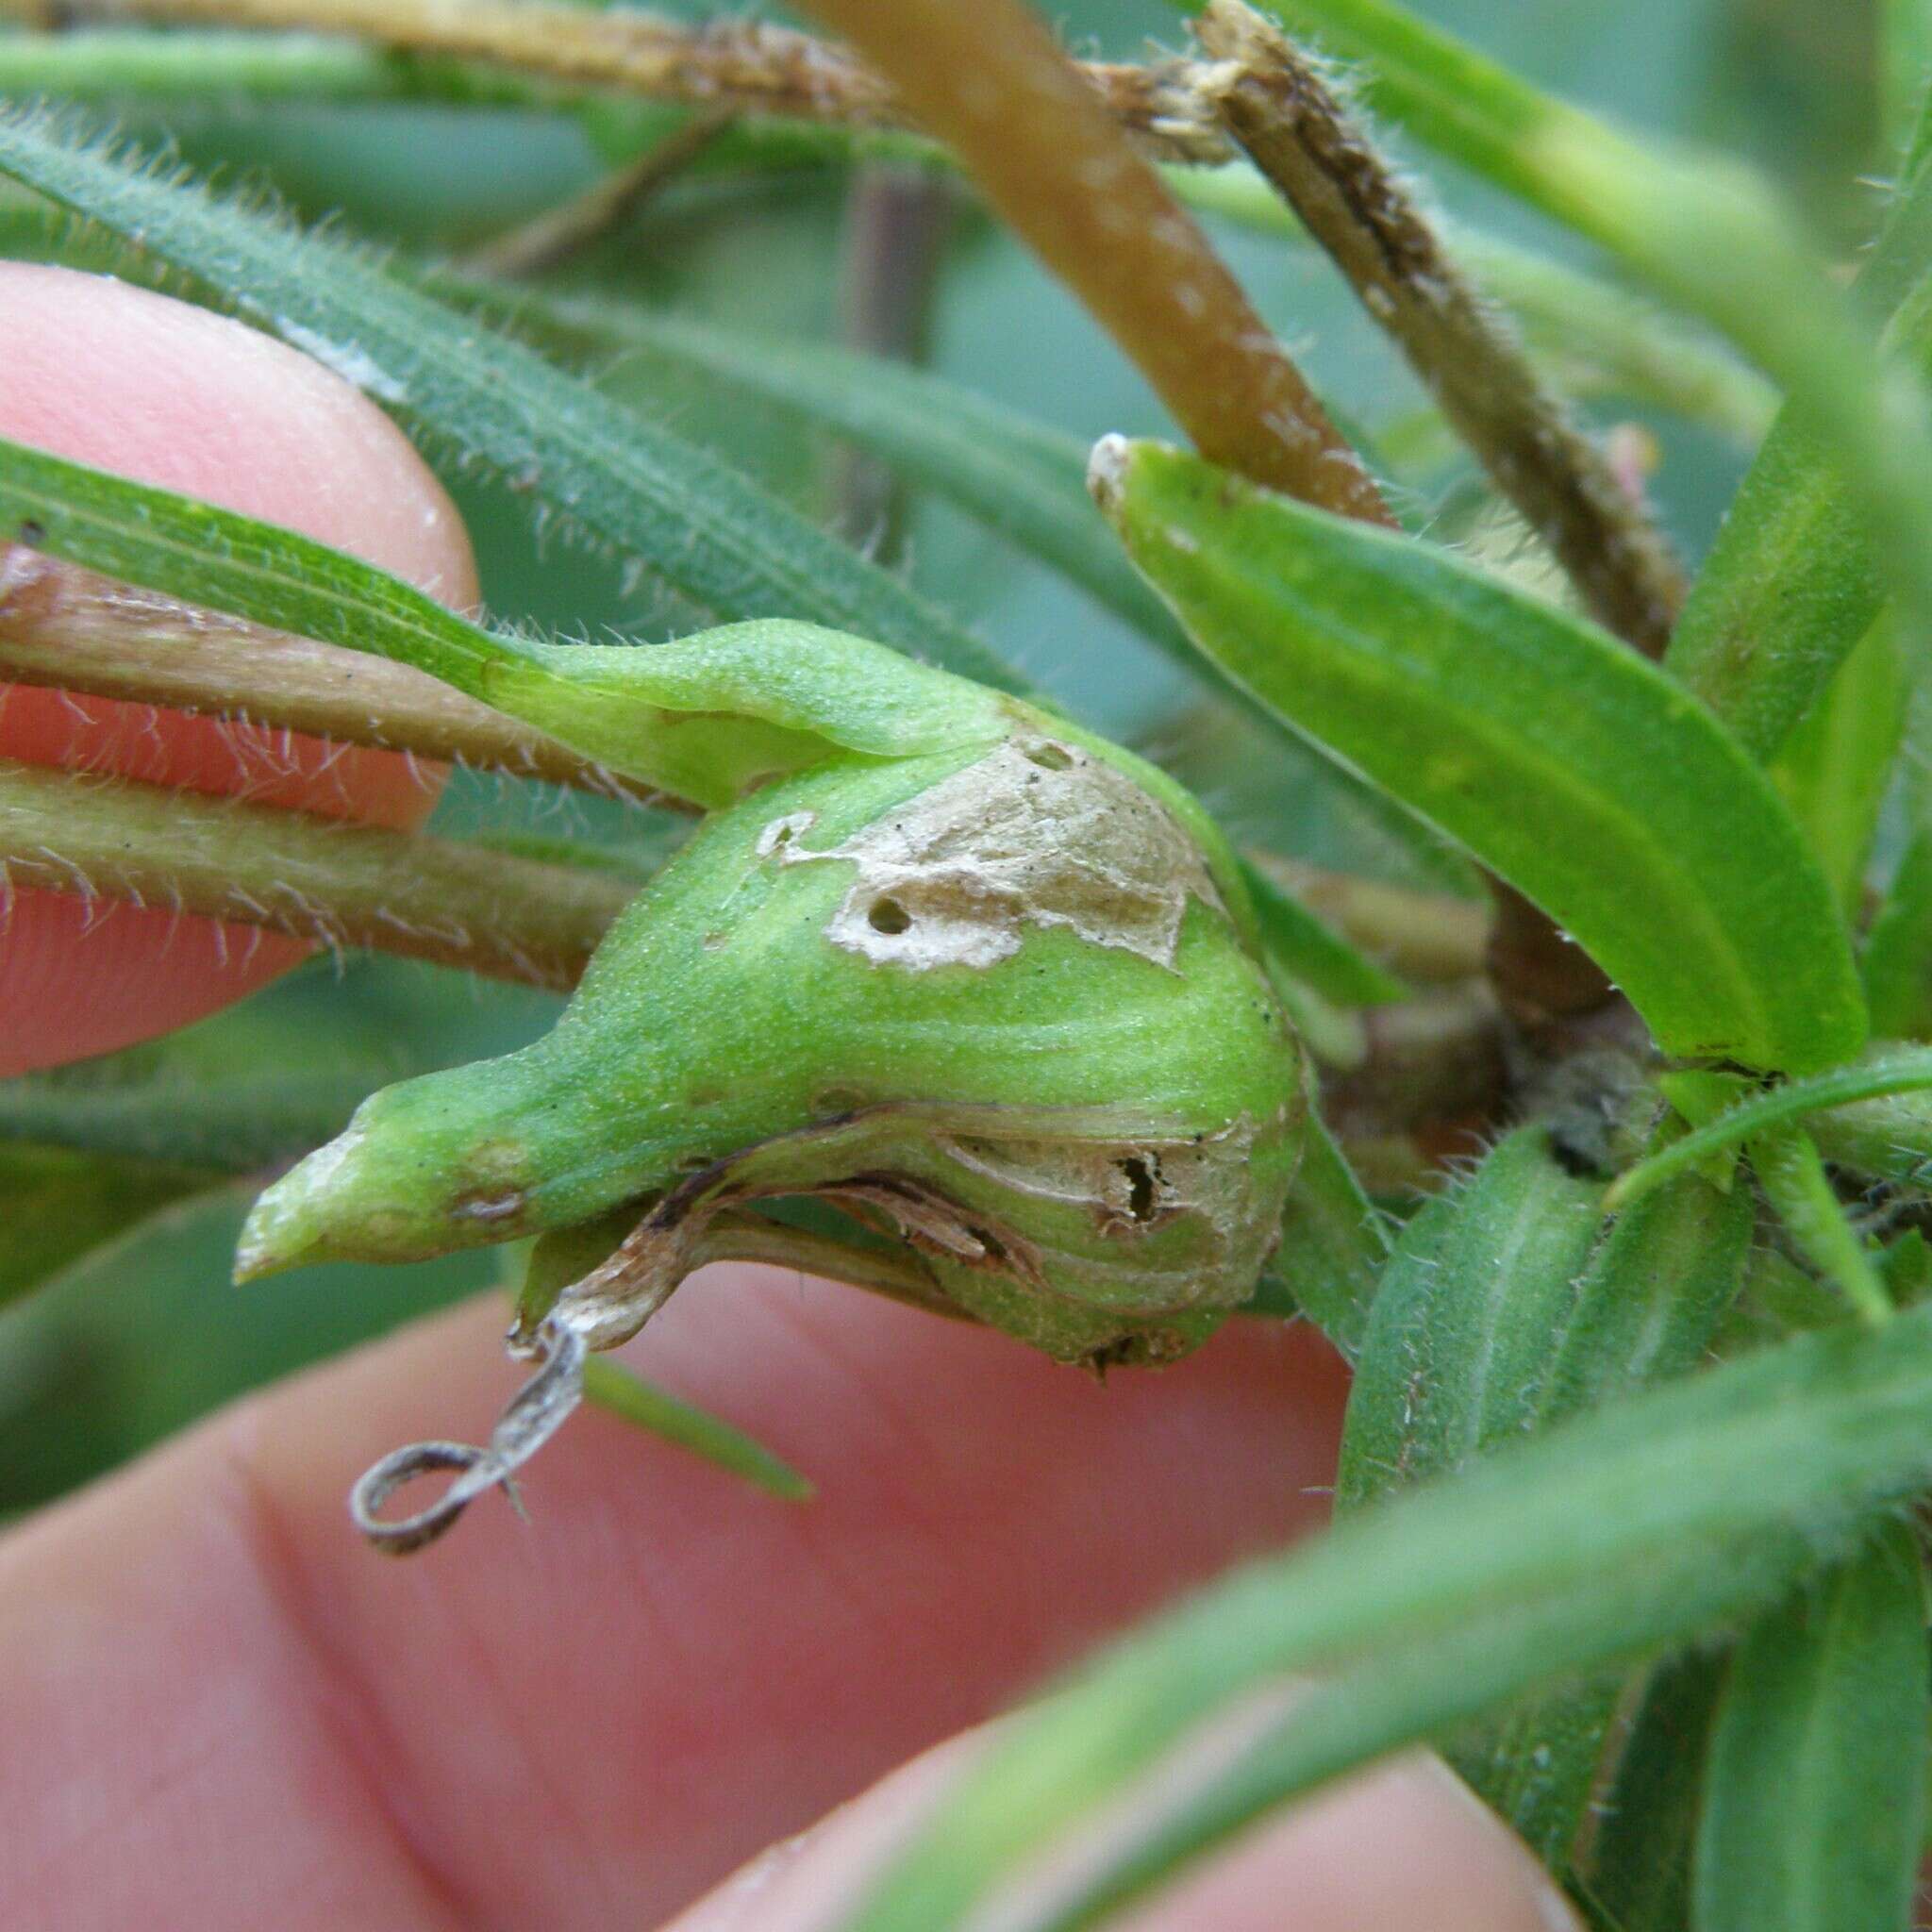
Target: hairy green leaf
648, 495
1459, 1339
1456, 1360
1015, 475
1659, 1282
1638, 1525
1574, 770
1792, 1172
1644, 1311
1814, 1805
699, 717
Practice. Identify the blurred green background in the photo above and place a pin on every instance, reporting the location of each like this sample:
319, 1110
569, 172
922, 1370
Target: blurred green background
133, 1338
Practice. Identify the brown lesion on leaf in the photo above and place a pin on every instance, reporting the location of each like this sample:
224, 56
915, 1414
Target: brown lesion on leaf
1039, 832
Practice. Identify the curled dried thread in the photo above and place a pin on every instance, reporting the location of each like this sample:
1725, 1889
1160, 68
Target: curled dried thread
534, 1413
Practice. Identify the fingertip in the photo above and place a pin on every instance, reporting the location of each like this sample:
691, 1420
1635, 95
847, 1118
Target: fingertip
1404, 1844
127, 380
172, 396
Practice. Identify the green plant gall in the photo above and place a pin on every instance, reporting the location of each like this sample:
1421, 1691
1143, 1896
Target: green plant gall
999, 1000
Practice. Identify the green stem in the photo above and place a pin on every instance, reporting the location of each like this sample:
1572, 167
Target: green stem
342, 885
69, 629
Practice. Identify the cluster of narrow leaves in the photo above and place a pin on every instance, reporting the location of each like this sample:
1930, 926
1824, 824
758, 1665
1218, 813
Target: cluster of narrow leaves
1644, 1398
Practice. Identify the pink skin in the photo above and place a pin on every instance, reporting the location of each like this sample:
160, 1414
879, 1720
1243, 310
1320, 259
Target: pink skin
223, 1711
114, 376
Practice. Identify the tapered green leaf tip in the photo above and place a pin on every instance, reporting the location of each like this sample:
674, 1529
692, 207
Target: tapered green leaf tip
1572, 768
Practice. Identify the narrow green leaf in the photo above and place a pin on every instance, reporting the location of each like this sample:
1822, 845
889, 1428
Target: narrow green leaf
1647, 1305
1459, 1339
1888, 1071
231, 1094
1814, 1806
1897, 961
1456, 1360
699, 717
1834, 768
1015, 475
1504, 1308
1644, 1311
227, 1095
1562, 761
1639, 1872
1642, 1524
1779, 1299
1791, 1172
651, 498
615, 1389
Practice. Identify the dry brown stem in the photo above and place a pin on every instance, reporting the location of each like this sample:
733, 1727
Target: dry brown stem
1282, 111
988, 80
743, 66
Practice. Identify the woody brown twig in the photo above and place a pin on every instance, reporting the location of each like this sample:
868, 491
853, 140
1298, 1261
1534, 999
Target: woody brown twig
741, 66
1278, 107
988, 80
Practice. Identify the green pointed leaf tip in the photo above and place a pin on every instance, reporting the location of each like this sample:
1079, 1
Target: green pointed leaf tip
1559, 757
1459, 1334
629, 485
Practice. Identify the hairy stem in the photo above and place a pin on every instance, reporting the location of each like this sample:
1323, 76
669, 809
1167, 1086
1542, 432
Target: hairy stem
1280, 109
744, 66
69, 629
988, 81
316, 878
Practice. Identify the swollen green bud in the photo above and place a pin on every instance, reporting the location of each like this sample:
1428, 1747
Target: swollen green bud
999, 1000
